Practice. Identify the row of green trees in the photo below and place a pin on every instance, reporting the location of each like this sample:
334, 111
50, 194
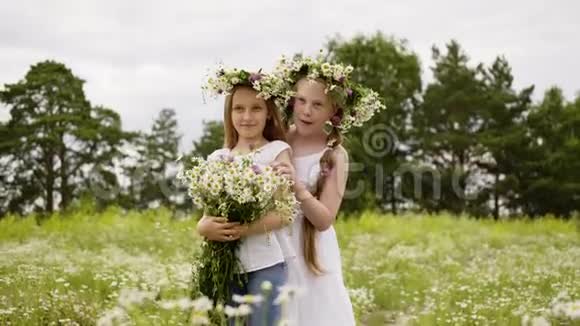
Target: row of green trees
467, 142
57, 147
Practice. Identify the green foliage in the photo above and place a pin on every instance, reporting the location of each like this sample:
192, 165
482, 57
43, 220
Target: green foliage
386, 65
53, 135
448, 124
550, 182
211, 139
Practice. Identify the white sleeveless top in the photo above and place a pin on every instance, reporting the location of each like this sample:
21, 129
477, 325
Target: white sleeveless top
260, 251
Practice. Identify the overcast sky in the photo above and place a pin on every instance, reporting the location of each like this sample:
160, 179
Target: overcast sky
140, 56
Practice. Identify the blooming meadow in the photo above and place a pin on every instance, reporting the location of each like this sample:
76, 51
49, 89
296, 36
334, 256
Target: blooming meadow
117, 268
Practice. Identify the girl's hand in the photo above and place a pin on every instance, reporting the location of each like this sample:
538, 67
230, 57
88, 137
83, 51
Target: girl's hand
285, 169
218, 229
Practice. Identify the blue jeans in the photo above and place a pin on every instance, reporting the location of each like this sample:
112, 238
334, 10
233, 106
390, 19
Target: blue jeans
265, 313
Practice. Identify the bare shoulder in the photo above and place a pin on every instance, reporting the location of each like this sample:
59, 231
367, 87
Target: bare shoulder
217, 153
340, 154
284, 156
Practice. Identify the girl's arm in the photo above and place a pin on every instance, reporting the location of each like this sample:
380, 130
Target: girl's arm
322, 212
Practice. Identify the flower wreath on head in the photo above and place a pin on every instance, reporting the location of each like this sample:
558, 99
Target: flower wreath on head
267, 85
356, 104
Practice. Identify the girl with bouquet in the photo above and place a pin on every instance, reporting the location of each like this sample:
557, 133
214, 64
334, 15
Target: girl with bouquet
252, 225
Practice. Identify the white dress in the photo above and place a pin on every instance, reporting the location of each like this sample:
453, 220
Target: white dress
324, 300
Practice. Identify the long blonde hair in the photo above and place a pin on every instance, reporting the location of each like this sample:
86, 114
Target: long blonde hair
309, 231
274, 129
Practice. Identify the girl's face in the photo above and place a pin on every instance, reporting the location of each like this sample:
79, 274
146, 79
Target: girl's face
249, 113
312, 107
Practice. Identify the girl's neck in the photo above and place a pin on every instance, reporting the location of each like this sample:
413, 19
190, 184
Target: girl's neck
311, 141
247, 145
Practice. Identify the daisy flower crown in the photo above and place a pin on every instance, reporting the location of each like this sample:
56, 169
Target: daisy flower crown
223, 81
357, 104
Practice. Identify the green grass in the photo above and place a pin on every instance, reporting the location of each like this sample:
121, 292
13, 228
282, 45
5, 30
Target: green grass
418, 270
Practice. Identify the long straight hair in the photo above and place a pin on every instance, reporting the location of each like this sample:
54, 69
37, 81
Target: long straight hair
309, 231
274, 129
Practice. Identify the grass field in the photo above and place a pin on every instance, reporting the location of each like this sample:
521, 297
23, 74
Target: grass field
417, 270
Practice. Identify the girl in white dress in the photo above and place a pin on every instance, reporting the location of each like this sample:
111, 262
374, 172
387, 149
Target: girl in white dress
322, 96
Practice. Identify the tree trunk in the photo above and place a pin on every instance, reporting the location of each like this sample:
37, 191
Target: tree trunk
496, 199
393, 194
64, 186
49, 163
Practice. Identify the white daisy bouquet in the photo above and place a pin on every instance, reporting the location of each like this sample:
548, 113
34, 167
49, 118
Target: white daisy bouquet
242, 191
